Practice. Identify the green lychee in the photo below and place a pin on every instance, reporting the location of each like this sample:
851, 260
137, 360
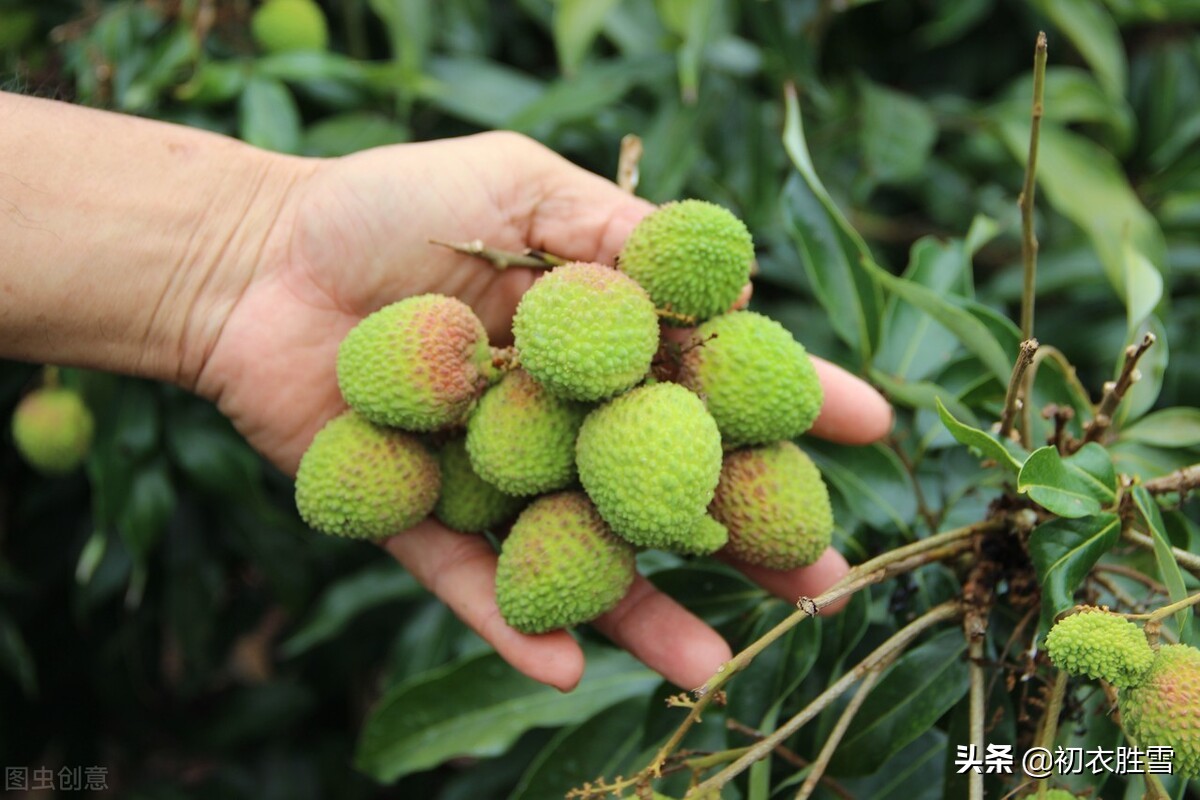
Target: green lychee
708, 536
758, 382
365, 481
561, 565
586, 331
650, 460
521, 438
52, 429
692, 256
419, 364
1164, 710
775, 505
1100, 645
467, 502
279, 26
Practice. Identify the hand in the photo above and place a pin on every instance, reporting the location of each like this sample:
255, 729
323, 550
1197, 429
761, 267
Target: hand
352, 236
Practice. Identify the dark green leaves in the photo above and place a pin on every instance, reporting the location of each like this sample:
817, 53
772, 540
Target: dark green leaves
1064, 551
983, 443
1076, 486
480, 705
1168, 567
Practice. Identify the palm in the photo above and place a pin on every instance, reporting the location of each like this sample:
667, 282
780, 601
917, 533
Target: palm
353, 237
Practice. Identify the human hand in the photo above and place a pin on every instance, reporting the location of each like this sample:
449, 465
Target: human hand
351, 236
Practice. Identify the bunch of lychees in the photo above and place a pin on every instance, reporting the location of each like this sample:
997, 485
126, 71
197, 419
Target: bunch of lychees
594, 433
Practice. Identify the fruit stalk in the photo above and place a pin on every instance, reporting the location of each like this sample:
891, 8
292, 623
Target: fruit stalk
1029, 243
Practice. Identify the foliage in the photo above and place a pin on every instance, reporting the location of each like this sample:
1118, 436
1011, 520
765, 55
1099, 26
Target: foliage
167, 615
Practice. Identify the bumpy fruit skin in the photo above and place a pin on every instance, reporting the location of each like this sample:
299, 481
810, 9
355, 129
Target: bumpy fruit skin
775, 505
282, 25
52, 429
365, 481
586, 331
521, 438
650, 460
418, 364
708, 536
1165, 709
757, 381
561, 565
693, 257
467, 502
1100, 645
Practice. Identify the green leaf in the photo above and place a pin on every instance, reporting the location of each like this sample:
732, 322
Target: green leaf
410, 27
210, 453
345, 600
351, 132
1072, 95
713, 592
480, 91
1077, 486
921, 686
834, 254
147, 508
214, 82
922, 394
898, 132
598, 747
576, 24
1063, 553
691, 20
479, 706
1170, 428
1087, 185
268, 116
1007, 454
871, 480
15, 658
1143, 287
1168, 567
1092, 30
581, 97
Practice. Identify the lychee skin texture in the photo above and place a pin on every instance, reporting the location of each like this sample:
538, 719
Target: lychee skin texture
1165, 709
1101, 645
650, 460
758, 382
418, 364
365, 481
561, 565
279, 26
708, 536
521, 438
692, 256
52, 429
775, 505
586, 331
467, 502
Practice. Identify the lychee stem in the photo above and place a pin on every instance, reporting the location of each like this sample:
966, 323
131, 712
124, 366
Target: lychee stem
503, 259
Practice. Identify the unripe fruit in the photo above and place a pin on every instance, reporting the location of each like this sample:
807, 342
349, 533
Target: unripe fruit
52, 429
561, 565
1100, 645
365, 481
282, 25
418, 364
708, 536
467, 502
522, 438
586, 331
756, 380
1165, 709
775, 505
693, 257
650, 460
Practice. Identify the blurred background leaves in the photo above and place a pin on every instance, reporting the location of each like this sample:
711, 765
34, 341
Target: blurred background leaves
166, 615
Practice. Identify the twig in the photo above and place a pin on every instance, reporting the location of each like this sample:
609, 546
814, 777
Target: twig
839, 730
1114, 391
1029, 243
1181, 480
1049, 727
503, 259
1015, 397
875, 570
1135, 575
786, 753
886, 651
1117, 591
923, 509
1189, 561
627, 162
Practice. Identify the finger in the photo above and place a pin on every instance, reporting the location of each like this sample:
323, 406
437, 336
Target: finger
664, 636
853, 412
461, 570
810, 581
